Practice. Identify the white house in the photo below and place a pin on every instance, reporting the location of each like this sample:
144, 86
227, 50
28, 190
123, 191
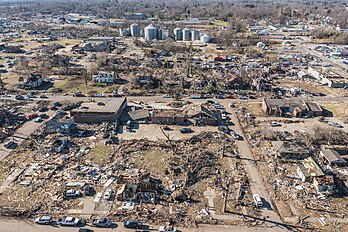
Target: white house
104, 77
30, 82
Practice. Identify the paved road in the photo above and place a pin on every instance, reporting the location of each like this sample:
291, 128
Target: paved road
22, 134
13, 225
61, 98
333, 62
257, 186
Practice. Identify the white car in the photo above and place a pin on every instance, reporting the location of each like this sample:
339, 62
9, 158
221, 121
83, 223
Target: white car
68, 221
275, 124
107, 194
167, 229
43, 220
72, 193
257, 200
38, 119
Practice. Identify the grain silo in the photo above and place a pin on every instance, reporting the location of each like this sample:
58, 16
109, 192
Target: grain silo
205, 38
177, 34
151, 32
135, 30
186, 34
195, 35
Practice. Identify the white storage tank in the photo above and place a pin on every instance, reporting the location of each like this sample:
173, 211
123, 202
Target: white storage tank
163, 33
205, 38
177, 34
135, 30
151, 32
195, 35
186, 34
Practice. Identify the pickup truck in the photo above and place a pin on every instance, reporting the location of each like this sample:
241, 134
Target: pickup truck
68, 221
102, 222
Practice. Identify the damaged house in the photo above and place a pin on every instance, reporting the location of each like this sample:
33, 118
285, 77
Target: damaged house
310, 171
235, 82
332, 158
290, 107
196, 115
93, 47
144, 191
60, 144
104, 77
30, 82
287, 150
60, 125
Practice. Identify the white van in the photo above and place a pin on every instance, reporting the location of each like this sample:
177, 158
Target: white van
257, 200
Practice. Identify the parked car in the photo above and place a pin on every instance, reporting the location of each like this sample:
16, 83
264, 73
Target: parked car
44, 220
108, 194
106, 135
57, 104
230, 96
232, 105
235, 135
111, 140
43, 109
87, 189
38, 119
68, 221
32, 95
72, 193
19, 97
218, 106
43, 116
275, 124
166, 128
167, 229
31, 116
85, 230
61, 112
43, 96
11, 144
235, 153
102, 222
186, 130
257, 200
195, 97
223, 116
224, 129
132, 224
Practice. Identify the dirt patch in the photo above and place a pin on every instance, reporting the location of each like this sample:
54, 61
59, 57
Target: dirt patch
338, 109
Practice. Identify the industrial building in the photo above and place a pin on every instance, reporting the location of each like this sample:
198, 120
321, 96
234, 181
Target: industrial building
96, 112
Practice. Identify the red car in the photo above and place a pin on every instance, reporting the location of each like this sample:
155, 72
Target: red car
230, 96
31, 116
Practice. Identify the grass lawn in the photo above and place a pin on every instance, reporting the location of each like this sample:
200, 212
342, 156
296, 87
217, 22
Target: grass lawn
100, 153
220, 23
152, 160
338, 109
74, 84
